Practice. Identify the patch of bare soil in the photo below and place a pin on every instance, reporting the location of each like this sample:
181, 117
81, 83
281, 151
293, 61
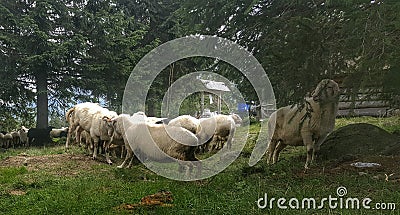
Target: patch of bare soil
385, 168
17, 192
60, 164
360, 143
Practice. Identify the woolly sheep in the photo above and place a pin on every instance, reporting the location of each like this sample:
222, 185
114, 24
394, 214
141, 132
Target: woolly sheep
136, 137
215, 131
23, 135
39, 136
308, 125
8, 138
89, 116
237, 119
169, 140
154, 120
116, 126
15, 138
186, 121
86, 141
59, 132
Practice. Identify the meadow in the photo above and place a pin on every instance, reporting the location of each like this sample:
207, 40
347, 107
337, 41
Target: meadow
48, 180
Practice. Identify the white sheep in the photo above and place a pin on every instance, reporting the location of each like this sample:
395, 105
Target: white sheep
8, 139
59, 132
15, 139
86, 140
23, 135
154, 120
186, 121
214, 131
306, 124
89, 116
137, 137
176, 142
116, 126
238, 120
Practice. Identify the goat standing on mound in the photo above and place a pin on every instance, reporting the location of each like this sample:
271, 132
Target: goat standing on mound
308, 124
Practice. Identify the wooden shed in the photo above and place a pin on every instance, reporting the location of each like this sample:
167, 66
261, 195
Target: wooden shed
213, 87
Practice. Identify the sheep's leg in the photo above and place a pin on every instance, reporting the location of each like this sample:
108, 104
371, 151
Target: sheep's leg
123, 151
89, 145
278, 150
317, 147
128, 157
199, 167
213, 144
87, 148
114, 152
95, 147
131, 161
308, 142
271, 150
189, 170
107, 151
100, 147
30, 140
70, 130
229, 142
230, 138
78, 134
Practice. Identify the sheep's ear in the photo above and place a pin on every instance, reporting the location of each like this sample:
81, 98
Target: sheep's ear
110, 122
105, 118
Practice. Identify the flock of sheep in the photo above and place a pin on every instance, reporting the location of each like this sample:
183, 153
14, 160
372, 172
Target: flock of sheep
24, 137
95, 127
14, 138
90, 125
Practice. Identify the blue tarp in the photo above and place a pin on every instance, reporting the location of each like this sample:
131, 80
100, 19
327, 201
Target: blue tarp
243, 107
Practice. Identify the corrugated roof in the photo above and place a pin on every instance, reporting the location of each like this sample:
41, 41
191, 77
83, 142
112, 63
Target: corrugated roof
215, 85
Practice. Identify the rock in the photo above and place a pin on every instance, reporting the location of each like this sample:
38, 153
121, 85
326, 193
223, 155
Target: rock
362, 173
359, 140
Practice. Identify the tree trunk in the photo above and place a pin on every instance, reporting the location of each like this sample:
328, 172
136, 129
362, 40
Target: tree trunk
150, 108
42, 100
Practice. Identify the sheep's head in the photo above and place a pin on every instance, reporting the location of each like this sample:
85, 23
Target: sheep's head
327, 91
23, 129
238, 120
109, 122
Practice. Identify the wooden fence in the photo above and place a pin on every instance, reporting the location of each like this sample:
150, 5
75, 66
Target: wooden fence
365, 103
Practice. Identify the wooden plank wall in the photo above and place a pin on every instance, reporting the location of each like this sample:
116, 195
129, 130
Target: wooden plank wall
365, 103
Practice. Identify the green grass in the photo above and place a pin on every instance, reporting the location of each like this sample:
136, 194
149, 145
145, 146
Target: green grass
389, 124
97, 188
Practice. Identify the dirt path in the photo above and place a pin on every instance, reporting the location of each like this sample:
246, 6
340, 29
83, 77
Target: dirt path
60, 164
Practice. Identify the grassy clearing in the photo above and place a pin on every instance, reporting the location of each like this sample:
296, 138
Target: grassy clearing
52, 181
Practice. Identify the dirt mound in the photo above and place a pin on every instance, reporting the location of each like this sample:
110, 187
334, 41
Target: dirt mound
359, 140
